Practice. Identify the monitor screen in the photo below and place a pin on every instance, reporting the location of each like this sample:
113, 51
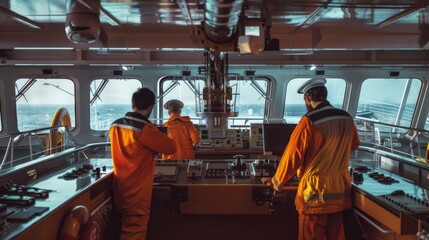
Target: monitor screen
217, 134
276, 137
166, 170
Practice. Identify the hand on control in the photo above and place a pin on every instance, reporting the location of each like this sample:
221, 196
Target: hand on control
267, 181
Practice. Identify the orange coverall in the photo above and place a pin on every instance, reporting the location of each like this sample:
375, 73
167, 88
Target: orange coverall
135, 142
185, 135
319, 150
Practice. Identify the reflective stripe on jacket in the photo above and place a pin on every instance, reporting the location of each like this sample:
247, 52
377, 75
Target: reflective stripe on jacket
319, 150
184, 134
135, 142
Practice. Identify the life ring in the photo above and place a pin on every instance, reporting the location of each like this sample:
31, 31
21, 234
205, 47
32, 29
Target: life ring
54, 142
79, 225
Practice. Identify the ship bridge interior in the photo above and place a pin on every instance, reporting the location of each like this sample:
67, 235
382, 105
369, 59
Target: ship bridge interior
211, 38
156, 32
68, 68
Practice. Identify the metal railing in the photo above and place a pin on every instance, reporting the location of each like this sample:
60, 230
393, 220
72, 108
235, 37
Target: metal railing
409, 142
27, 146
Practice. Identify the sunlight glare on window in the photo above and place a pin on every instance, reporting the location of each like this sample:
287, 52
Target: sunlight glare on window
395, 106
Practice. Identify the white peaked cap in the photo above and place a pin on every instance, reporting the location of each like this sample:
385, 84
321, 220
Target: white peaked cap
312, 83
173, 101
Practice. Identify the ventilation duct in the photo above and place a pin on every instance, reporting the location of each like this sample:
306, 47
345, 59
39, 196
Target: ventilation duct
221, 19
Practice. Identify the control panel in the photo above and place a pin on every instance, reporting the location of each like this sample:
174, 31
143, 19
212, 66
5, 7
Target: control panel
222, 138
404, 201
264, 168
195, 168
21, 205
256, 136
224, 169
213, 171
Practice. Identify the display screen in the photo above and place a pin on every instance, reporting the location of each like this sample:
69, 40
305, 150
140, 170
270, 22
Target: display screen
167, 170
218, 165
276, 137
217, 134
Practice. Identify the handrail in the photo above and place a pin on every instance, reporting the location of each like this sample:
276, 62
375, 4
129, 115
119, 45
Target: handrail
399, 139
16, 138
54, 156
374, 121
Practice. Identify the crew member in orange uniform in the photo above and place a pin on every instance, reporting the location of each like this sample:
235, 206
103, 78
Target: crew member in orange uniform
319, 150
135, 142
182, 131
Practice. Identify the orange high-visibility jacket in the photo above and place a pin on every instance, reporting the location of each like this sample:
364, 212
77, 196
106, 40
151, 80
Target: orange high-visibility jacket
135, 142
319, 150
185, 135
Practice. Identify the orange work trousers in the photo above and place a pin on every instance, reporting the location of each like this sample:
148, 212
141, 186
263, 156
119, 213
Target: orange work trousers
321, 226
134, 226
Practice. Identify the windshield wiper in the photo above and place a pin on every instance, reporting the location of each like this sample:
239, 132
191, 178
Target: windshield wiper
24, 89
99, 90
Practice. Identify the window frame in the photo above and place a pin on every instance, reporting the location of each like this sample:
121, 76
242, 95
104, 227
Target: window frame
162, 89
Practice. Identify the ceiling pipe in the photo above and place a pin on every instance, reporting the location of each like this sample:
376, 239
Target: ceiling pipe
314, 16
188, 19
221, 19
401, 14
19, 18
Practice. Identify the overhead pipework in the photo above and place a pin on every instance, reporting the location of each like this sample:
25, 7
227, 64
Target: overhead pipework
219, 29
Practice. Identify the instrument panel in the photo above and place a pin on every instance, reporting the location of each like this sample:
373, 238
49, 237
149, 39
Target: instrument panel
215, 171
21, 206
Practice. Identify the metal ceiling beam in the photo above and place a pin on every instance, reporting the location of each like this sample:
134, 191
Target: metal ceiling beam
314, 16
95, 6
402, 14
19, 18
188, 19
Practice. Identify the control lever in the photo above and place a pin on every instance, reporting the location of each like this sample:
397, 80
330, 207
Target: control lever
239, 164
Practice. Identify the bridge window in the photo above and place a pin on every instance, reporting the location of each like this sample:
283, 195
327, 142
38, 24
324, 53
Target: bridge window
387, 100
37, 100
186, 89
248, 96
110, 99
251, 101
295, 105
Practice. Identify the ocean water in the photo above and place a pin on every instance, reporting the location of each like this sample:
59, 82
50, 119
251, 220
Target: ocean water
34, 116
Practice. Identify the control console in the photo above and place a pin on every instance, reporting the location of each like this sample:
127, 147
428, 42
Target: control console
195, 168
224, 169
222, 138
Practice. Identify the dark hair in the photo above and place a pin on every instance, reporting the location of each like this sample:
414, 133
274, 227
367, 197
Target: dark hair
143, 98
174, 107
317, 94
